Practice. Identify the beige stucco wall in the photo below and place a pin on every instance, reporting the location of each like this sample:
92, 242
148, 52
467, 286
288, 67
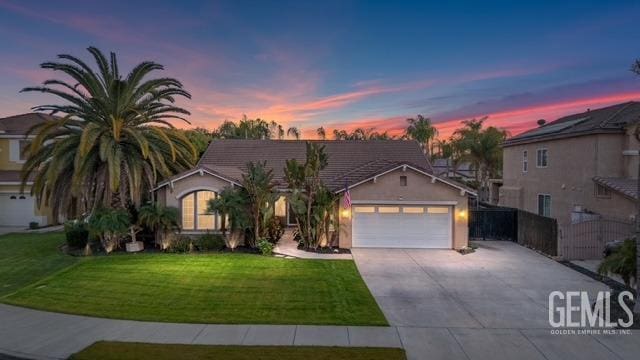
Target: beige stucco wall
5, 163
419, 188
386, 188
170, 196
572, 164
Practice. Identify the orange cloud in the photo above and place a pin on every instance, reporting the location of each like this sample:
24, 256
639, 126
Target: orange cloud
515, 121
519, 120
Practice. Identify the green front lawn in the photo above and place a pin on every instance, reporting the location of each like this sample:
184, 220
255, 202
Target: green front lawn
138, 351
210, 288
26, 258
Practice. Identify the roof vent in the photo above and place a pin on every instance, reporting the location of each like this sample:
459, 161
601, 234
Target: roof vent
541, 122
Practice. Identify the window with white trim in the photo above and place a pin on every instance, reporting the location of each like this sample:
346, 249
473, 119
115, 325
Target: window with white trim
542, 158
544, 205
525, 161
194, 211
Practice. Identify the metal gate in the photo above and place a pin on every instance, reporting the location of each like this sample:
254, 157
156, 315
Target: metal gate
586, 240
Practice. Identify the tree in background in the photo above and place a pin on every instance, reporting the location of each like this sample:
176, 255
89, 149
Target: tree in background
321, 133
276, 131
112, 140
293, 132
200, 138
421, 130
483, 148
361, 134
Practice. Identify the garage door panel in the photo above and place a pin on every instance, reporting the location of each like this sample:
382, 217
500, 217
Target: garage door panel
17, 210
412, 229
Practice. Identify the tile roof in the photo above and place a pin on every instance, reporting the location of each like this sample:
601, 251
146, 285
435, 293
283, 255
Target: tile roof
627, 187
349, 161
20, 124
610, 119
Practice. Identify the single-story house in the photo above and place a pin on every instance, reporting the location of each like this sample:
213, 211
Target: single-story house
396, 199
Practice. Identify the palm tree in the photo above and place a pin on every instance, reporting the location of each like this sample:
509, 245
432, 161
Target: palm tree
321, 133
483, 148
112, 139
230, 203
636, 309
421, 130
340, 134
110, 225
294, 132
259, 186
305, 183
161, 220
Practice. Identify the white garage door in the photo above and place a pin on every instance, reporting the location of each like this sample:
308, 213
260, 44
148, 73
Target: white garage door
18, 210
402, 226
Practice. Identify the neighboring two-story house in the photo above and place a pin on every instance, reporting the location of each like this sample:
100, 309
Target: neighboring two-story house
576, 167
18, 208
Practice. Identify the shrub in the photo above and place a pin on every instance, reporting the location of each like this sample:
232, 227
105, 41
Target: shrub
266, 247
210, 242
110, 226
34, 225
622, 262
181, 244
76, 233
274, 229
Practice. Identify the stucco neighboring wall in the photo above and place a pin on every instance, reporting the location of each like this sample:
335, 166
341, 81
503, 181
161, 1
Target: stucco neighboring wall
419, 188
568, 177
5, 157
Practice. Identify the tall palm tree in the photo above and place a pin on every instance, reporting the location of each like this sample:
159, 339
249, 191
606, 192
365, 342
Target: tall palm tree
259, 186
483, 148
422, 130
112, 139
322, 134
294, 132
636, 309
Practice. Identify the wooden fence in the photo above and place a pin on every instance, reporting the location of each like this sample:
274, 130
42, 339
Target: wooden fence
586, 240
525, 228
538, 232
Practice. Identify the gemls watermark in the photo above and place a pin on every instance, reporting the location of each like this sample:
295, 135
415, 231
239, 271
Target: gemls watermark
574, 310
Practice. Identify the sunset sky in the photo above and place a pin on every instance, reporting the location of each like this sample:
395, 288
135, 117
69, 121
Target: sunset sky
345, 64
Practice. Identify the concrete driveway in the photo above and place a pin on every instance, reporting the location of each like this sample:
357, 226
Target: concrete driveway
492, 304
500, 286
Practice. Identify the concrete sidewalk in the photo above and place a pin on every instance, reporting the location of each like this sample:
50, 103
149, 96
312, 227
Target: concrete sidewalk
43, 335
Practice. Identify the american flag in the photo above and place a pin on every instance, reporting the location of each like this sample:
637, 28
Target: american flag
346, 201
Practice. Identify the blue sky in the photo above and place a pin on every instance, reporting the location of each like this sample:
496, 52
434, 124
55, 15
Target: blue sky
345, 63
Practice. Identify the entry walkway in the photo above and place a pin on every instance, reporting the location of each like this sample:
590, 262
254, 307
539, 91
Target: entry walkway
288, 247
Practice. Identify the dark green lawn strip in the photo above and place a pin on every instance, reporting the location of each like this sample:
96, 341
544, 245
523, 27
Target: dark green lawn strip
139, 351
27, 258
216, 288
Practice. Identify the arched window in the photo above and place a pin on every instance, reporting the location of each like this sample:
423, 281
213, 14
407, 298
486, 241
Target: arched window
194, 208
